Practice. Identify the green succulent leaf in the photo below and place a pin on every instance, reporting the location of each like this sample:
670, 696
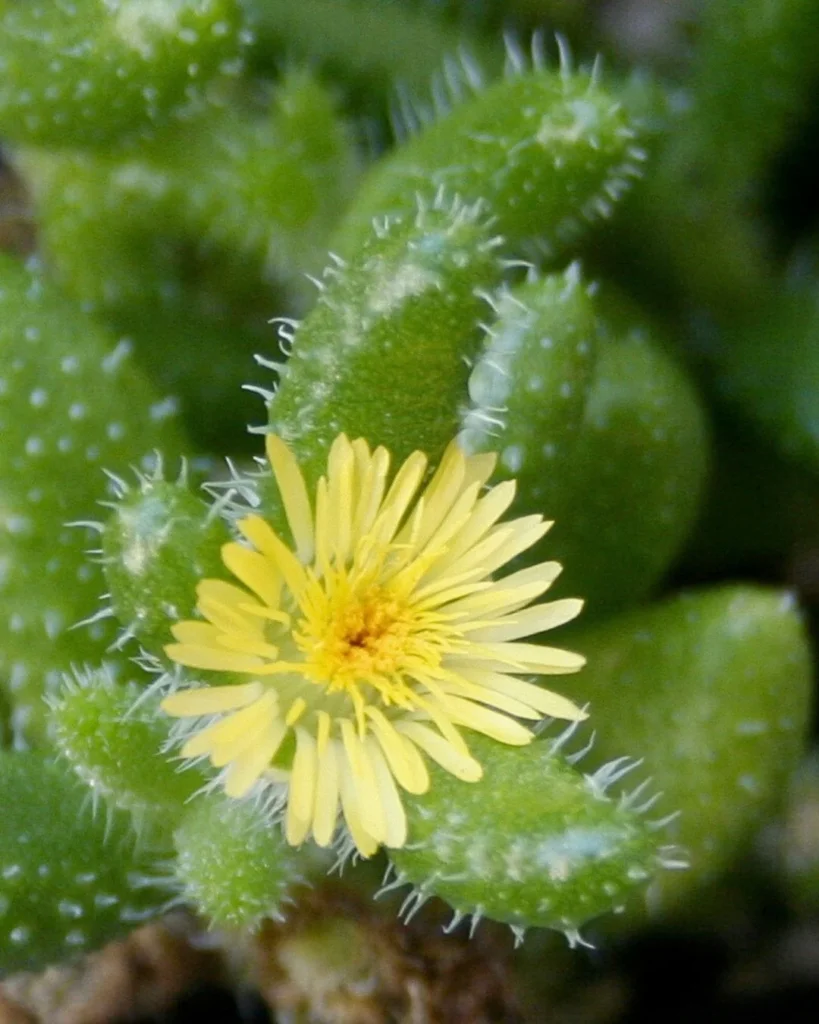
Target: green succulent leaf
533, 843
71, 405
402, 314
711, 689
235, 866
70, 880
159, 542
115, 737
601, 428
547, 152
94, 72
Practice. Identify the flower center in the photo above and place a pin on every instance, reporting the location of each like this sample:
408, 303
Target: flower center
361, 637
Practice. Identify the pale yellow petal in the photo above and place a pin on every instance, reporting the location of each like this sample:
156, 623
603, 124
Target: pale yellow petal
325, 813
460, 686
255, 571
242, 730
544, 701
365, 843
210, 700
212, 660
479, 468
484, 515
491, 723
230, 733
248, 645
508, 593
530, 621
371, 492
196, 634
262, 536
439, 496
293, 491
462, 766
368, 800
221, 592
405, 762
228, 618
395, 817
243, 773
451, 522
401, 492
340, 473
301, 797
530, 657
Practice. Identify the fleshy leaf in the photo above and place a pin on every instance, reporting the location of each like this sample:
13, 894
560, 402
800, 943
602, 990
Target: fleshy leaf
70, 879
711, 689
534, 843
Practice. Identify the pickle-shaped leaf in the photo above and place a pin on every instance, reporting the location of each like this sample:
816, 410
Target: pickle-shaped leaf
70, 879
534, 843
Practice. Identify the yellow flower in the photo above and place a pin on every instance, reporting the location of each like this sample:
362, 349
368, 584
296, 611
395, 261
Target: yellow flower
371, 640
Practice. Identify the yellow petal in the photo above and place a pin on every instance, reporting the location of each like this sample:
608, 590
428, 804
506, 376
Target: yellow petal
242, 731
368, 801
221, 592
399, 496
530, 621
533, 657
229, 733
439, 495
544, 701
196, 634
293, 491
479, 468
460, 686
462, 766
212, 660
406, 764
210, 700
372, 479
255, 571
325, 813
263, 538
248, 645
484, 515
246, 770
301, 797
395, 834
491, 723
365, 843
340, 471
229, 618
510, 592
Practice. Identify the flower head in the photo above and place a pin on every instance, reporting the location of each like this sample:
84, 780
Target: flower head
371, 640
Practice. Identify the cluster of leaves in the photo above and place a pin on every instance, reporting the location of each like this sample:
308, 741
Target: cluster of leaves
182, 190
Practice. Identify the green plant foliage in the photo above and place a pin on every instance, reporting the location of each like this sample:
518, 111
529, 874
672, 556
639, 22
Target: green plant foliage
159, 542
538, 844
711, 689
71, 404
547, 152
404, 309
93, 72
233, 865
776, 385
600, 427
70, 879
114, 737
180, 167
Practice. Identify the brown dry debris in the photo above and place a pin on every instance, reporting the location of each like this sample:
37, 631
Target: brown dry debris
142, 975
17, 232
341, 960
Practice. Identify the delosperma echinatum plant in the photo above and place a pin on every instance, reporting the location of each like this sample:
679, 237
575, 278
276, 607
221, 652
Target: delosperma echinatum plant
424, 613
